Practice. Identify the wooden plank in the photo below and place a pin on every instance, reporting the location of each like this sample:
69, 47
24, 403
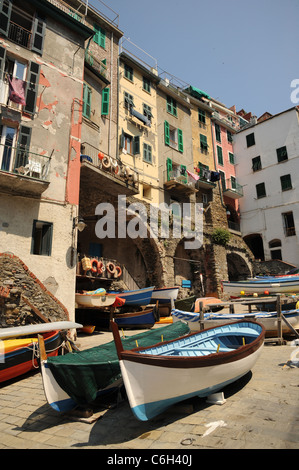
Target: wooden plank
35, 310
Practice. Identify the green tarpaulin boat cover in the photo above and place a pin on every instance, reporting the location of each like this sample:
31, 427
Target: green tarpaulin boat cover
82, 374
196, 92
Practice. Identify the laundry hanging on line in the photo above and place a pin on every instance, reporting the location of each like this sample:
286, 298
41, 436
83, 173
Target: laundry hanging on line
17, 90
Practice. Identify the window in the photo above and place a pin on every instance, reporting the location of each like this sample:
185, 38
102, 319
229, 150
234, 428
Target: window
130, 144
201, 116
128, 72
229, 136
231, 158
256, 163
86, 100
146, 84
147, 153
7, 135
203, 144
250, 140
233, 182
128, 99
173, 137
286, 182
276, 254
171, 106
147, 111
105, 101
222, 179
218, 132
288, 224
219, 155
41, 238
282, 154
260, 190
99, 36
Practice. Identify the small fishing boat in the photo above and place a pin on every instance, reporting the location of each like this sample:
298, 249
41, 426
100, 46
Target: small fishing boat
97, 298
186, 304
208, 302
252, 286
200, 364
78, 378
165, 295
19, 355
143, 319
139, 297
211, 320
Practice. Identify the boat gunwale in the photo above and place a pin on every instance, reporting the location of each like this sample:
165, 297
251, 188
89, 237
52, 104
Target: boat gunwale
212, 359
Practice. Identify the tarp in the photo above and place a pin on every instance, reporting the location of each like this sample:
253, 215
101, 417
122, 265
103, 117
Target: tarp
197, 93
82, 374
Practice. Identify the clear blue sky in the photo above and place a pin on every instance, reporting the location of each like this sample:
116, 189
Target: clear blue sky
240, 52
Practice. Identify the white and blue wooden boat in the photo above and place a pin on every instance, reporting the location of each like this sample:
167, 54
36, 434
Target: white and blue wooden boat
78, 378
165, 295
139, 297
200, 364
211, 320
143, 319
258, 286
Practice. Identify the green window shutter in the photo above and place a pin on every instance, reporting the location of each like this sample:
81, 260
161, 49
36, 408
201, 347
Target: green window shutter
5, 13
166, 130
147, 153
219, 155
180, 140
203, 142
218, 132
231, 158
23, 146
136, 145
169, 168
38, 34
105, 101
86, 100
32, 85
99, 35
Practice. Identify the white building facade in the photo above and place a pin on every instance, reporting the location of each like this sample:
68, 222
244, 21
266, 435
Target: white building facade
267, 166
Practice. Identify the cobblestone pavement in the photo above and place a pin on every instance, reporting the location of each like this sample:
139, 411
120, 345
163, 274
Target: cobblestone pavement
261, 412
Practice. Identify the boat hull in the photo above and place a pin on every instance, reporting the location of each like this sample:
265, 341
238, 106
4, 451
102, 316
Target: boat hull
139, 297
144, 319
260, 286
95, 301
268, 319
158, 377
165, 295
21, 360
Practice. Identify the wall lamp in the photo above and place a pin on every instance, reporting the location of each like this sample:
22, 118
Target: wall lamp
78, 222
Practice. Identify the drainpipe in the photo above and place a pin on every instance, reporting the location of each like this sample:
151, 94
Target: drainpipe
111, 92
215, 164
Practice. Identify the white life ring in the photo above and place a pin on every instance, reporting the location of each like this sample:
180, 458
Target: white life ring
106, 162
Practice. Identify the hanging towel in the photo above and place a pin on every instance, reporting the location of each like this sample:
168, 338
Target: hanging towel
17, 90
206, 174
193, 176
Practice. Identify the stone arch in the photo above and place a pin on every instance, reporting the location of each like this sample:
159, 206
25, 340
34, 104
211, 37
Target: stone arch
237, 266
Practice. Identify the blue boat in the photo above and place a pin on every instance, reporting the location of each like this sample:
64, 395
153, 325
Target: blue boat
139, 297
144, 319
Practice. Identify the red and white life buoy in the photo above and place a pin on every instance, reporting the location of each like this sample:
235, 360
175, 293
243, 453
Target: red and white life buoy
94, 265
106, 162
118, 271
110, 267
115, 166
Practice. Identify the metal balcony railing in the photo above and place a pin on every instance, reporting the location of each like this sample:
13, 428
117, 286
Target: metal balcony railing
97, 65
19, 35
232, 187
19, 161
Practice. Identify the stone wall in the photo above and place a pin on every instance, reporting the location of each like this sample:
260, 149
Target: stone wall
23, 298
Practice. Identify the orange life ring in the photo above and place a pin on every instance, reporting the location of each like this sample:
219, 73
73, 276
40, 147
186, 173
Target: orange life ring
118, 271
110, 268
93, 262
115, 167
106, 162
101, 267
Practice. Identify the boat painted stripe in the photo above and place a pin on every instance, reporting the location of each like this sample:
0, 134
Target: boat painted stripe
63, 405
147, 411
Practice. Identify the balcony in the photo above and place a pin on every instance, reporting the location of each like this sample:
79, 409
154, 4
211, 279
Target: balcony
232, 189
96, 66
175, 181
100, 170
23, 172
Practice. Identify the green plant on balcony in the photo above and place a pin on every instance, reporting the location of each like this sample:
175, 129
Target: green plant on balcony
220, 236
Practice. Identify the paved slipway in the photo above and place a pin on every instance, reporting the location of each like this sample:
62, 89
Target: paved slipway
261, 412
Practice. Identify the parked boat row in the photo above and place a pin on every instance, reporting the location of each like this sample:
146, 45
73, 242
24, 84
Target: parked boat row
261, 285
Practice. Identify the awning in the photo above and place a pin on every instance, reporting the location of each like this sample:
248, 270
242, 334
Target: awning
197, 93
140, 116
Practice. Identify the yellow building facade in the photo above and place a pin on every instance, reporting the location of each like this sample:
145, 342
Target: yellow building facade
138, 146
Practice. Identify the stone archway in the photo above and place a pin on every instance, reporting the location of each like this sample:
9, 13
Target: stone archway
237, 267
255, 242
